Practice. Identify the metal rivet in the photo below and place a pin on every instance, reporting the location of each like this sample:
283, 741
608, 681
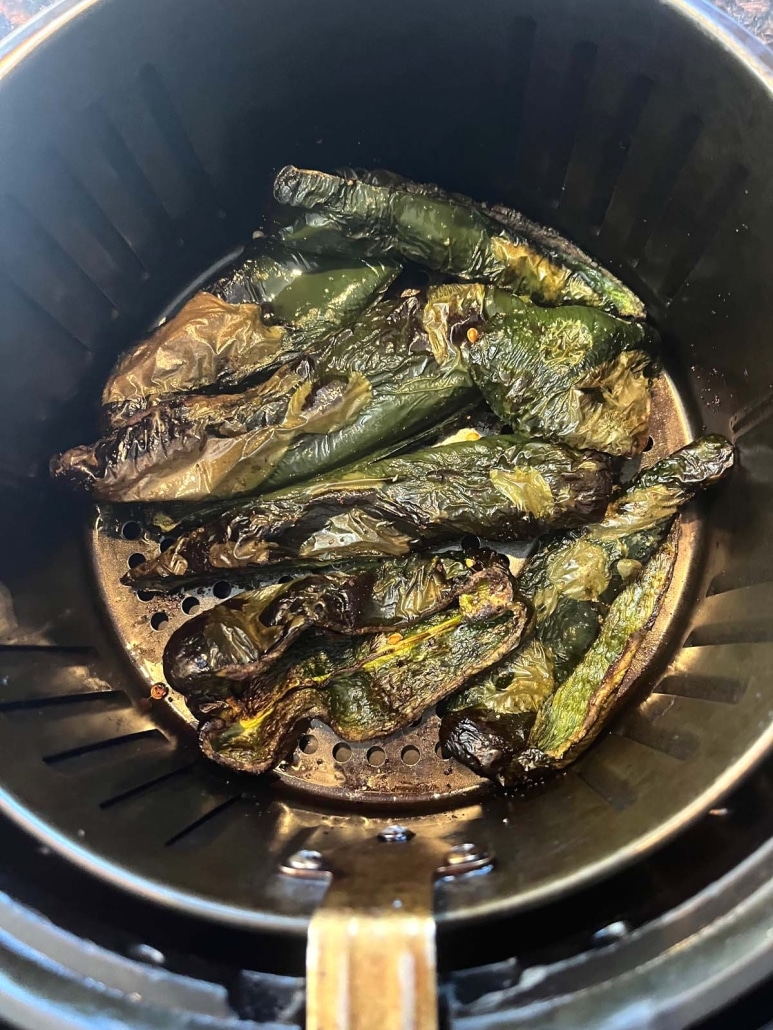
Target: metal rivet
614, 932
462, 859
306, 861
396, 834
146, 953
460, 854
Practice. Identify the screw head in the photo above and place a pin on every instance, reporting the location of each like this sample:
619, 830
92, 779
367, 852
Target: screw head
613, 932
146, 953
396, 834
461, 854
306, 861
159, 691
466, 858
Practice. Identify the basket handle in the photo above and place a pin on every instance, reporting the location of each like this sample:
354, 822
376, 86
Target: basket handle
370, 959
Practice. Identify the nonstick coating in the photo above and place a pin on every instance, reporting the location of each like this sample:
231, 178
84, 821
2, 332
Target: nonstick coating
138, 140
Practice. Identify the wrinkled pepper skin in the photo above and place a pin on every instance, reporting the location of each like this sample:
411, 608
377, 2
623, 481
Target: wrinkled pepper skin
410, 389
366, 687
202, 446
312, 295
207, 343
270, 305
501, 487
571, 719
571, 583
572, 373
448, 234
370, 387
237, 640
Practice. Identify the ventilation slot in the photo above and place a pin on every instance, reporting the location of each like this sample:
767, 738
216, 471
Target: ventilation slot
29, 226
606, 782
127, 170
203, 829
551, 111
200, 214
666, 172
60, 699
40, 326
521, 54
719, 689
77, 752
63, 651
753, 631
678, 744
100, 764
734, 617
616, 148
172, 807
162, 109
750, 417
48, 276
139, 779
567, 118
71, 215
695, 239
62, 726
752, 572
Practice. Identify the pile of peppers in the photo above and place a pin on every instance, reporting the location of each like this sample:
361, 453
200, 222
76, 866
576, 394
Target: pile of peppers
388, 374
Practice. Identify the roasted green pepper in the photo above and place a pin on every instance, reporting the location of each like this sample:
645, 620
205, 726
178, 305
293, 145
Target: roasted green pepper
571, 719
573, 373
367, 687
223, 336
501, 487
237, 640
313, 295
449, 234
207, 343
199, 446
571, 583
370, 387
410, 388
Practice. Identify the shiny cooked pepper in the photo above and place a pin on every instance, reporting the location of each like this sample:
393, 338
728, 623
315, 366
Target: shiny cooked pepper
380, 213
200, 446
372, 385
571, 583
214, 654
269, 305
572, 373
501, 487
367, 686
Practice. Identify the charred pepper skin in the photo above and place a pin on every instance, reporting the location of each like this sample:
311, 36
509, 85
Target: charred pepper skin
270, 305
571, 583
202, 446
500, 487
573, 373
371, 386
238, 640
366, 686
382, 214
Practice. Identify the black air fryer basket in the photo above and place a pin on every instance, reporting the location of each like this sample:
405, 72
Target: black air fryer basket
139, 138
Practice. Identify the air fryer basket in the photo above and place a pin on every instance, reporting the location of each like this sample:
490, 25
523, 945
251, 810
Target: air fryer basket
137, 141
